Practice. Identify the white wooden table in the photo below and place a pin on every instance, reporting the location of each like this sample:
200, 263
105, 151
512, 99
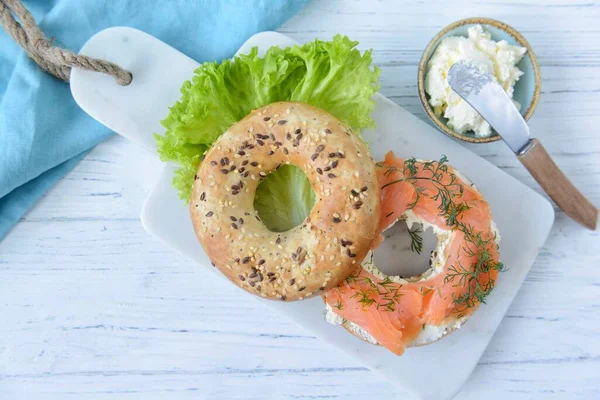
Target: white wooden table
92, 307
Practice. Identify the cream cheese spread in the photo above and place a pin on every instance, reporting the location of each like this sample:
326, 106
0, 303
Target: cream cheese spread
498, 58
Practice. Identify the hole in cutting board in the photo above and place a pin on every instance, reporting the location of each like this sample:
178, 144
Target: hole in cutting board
395, 257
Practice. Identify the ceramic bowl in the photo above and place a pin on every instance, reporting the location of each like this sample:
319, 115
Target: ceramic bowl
527, 89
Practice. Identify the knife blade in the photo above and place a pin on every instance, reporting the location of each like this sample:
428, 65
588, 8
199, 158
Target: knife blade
484, 94
488, 98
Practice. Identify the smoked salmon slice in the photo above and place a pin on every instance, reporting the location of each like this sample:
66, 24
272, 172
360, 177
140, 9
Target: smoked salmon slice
395, 312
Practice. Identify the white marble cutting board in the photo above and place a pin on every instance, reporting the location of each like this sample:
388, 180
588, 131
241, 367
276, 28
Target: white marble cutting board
523, 217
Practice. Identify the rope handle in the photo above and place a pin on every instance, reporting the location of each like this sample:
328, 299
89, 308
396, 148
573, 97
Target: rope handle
50, 58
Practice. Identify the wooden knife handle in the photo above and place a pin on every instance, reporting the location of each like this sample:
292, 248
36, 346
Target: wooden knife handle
559, 188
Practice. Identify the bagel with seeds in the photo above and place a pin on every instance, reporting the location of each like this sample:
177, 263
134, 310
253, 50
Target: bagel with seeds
318, 254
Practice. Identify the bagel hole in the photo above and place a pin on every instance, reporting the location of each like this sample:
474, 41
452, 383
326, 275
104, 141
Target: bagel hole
284, 198
395, 257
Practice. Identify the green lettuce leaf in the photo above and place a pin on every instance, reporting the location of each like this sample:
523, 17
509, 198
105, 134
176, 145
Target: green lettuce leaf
332, 75
284, 198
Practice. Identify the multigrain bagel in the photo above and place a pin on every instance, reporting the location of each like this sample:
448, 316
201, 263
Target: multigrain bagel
331, 242
398, 312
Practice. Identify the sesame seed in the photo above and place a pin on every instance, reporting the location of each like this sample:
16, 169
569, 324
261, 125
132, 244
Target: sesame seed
288, 136
266, 118
241, 277
245, 260
328, 131
234, 226
285, 151
331, 175
320, 171
202, 196
260, 142
320, 148
297, 131
357, 174
281, 122
292, 281
314, 156
341, 154
209, 214
337, 220
261, 261
261, 173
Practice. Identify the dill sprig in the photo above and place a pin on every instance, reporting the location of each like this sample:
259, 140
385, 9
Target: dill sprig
476, 292
416, 244
384, 294
447, 190
444, 191
339, 305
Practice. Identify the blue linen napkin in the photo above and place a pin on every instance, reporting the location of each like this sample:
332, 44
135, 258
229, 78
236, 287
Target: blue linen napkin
43, 134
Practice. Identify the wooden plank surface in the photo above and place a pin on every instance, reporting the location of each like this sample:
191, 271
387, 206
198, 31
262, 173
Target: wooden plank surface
92, 307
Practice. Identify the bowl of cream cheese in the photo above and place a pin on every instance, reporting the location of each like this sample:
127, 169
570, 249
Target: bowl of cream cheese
494, 47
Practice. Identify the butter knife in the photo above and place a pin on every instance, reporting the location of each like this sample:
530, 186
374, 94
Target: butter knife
486, 96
